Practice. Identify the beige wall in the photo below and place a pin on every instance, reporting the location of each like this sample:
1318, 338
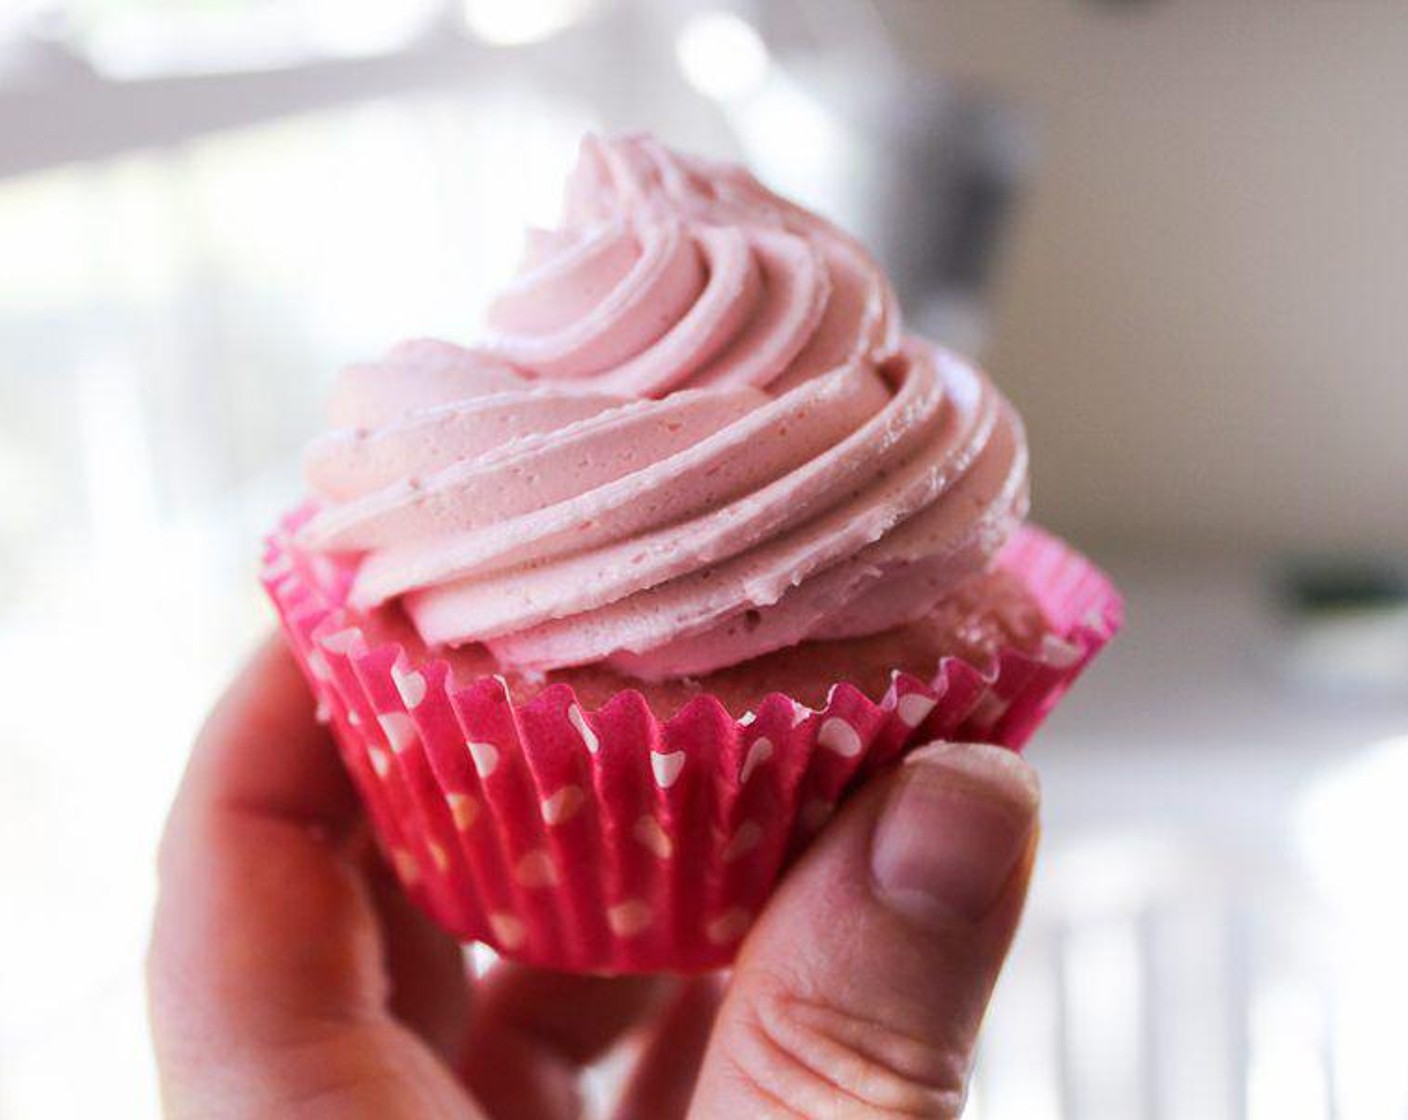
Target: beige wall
1203, 308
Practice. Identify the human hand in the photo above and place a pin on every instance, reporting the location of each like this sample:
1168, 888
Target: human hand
289, 977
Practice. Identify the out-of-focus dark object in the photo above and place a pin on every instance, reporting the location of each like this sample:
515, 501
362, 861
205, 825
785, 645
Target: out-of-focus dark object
925, 173
829, 110
1346, 625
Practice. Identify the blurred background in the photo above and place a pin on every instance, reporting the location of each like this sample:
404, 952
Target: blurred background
1176, 232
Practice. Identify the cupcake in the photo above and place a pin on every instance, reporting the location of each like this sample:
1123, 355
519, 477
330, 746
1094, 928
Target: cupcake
610, 610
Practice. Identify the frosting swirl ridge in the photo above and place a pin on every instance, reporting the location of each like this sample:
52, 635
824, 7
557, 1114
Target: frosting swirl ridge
693, 433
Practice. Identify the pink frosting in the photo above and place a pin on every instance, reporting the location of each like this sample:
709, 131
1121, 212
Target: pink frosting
694, 433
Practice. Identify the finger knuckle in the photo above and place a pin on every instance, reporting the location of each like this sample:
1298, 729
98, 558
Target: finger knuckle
809, 1058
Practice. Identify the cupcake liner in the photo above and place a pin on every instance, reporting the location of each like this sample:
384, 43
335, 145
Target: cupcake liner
612, 840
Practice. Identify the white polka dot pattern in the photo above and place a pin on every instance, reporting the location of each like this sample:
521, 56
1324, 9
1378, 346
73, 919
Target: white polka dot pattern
651, 834
988, 711
729, 926
816, 813
666, 767
536, 869
628, 918
1058, 652
508, 930
748, 836
288, 585
579, 721
464, 810
400, 732
563, 805
318, 665
485, 756
407, 867
344, 642
759, 751
839, 736
620, 834
914, 708
411, 686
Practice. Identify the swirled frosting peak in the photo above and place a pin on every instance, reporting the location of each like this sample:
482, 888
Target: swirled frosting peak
692, 433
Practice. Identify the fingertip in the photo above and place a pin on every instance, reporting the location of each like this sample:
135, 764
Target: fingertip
955, 828
997, 773
866, 977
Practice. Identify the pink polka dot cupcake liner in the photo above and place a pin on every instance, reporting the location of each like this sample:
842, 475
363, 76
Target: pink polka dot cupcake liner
611, 840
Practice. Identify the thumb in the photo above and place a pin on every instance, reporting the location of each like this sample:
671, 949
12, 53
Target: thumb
861, 988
